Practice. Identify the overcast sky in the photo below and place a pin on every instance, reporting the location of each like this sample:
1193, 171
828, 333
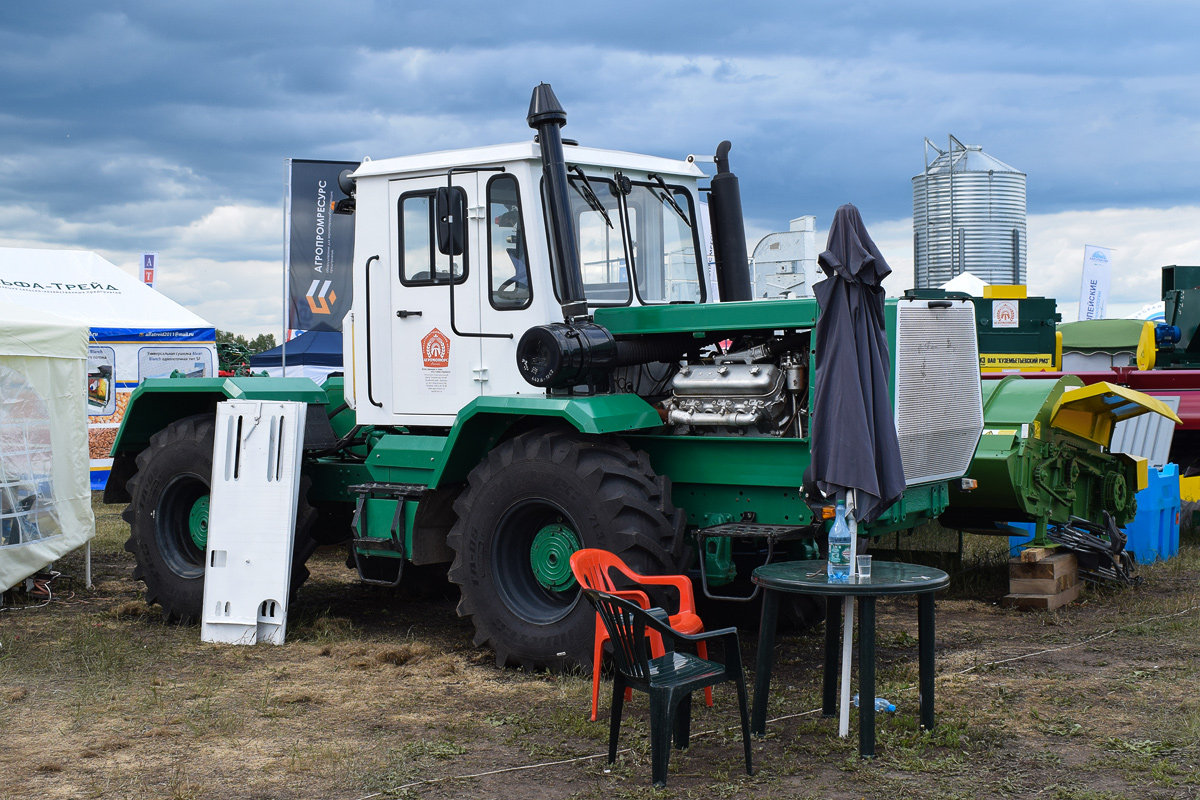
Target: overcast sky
163, 126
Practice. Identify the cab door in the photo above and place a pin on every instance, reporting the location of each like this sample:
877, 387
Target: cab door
433, 367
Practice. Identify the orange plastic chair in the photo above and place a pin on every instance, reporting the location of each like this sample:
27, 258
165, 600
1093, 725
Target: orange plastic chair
593, 569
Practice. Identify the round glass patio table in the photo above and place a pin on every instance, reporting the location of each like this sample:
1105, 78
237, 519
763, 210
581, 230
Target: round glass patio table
809, 577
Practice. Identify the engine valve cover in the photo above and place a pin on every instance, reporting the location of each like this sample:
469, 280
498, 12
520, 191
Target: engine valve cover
728, 395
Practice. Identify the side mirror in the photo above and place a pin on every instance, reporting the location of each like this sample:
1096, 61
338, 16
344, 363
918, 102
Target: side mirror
346, 184
450, 208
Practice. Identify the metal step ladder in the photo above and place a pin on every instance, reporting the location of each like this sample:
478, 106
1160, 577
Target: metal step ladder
394, 542
746, 530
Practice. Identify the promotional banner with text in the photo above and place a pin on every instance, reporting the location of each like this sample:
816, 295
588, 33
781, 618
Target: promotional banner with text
1097, 275
319, 246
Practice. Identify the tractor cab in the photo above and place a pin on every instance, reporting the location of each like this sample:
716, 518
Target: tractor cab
459, 265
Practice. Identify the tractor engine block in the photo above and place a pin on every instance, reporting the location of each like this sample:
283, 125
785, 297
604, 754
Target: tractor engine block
742, 398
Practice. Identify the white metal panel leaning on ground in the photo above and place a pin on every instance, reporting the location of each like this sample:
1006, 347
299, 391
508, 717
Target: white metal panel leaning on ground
252, 516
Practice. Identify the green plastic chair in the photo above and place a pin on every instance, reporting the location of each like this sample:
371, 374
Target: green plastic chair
669, 679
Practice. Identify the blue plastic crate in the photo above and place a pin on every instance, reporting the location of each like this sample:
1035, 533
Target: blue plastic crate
1154, 532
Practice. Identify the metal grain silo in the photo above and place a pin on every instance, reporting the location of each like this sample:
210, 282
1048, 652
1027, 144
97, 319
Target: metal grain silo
968, 216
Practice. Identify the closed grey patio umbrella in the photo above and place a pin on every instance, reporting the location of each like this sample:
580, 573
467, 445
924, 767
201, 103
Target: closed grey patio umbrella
854, 442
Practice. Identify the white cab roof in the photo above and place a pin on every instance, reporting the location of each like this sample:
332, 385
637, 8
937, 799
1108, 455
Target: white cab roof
523, 151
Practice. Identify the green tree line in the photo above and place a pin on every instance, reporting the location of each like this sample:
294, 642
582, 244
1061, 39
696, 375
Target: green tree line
258, 344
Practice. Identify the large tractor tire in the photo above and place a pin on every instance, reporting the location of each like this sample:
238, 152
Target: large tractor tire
168, 518
527, 507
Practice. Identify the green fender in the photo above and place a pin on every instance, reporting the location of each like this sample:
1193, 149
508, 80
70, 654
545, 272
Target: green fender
436, 461
157, 402
441, 461
485, 419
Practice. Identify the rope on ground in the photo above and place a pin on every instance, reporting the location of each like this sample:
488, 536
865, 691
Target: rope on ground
428, 781
1077, 644
773, 720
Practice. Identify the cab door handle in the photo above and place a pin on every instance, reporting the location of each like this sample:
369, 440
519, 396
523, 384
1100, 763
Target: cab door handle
402, 314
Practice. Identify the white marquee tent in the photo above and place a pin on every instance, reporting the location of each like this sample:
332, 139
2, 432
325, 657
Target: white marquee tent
45, 500
967, 282
135, 332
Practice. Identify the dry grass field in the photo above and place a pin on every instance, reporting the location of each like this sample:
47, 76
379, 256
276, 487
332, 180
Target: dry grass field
380, 695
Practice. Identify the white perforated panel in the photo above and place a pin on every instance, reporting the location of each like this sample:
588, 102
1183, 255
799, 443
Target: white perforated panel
939, 410
251, 520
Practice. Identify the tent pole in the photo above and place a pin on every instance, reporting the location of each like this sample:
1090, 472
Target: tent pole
287, 256
87, 565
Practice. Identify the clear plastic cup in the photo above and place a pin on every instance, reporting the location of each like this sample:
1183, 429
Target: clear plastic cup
864, 566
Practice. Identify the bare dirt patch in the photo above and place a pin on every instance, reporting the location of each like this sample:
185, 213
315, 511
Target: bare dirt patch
375, 693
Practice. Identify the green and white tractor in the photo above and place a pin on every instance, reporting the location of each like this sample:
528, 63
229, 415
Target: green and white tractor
536, 361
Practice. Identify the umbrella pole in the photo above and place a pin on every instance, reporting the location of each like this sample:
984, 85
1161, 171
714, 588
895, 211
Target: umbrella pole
848, 634
847, 649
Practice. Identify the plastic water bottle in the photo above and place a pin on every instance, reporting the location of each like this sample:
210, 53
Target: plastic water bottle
840, 540
881, 704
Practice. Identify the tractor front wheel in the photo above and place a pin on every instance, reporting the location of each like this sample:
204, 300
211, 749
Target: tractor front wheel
530, 504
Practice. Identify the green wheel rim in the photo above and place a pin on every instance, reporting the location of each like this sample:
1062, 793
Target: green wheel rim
550, 557
198, 522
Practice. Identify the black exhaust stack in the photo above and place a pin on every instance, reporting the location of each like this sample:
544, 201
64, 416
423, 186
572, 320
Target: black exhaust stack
547, 117
728, 231
578, 354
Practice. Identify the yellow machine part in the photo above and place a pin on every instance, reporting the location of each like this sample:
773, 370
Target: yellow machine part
1017, 362
1189, 489
1092, 411
1143, 470
1005, 292
1147, 348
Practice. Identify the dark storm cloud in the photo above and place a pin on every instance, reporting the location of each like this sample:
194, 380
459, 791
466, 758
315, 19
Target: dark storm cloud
121, 120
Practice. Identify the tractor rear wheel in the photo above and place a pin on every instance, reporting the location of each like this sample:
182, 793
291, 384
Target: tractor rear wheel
530, 504
168, 518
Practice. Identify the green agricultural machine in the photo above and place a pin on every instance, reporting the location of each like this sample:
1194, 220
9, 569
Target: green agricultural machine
537, 361
1044, 456
1160, 361
1017, 333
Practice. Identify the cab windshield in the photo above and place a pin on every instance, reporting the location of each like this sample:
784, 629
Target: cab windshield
642, 228
601, 241
664, 244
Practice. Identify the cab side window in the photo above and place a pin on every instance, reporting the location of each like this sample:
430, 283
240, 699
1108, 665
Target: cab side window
420, 262
508, 264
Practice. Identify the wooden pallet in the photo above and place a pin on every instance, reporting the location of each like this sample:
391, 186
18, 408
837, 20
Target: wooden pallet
1042, 579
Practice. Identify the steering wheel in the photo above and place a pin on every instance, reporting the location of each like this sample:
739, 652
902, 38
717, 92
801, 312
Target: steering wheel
511, 286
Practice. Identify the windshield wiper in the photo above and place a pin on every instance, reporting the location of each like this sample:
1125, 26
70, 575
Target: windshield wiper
666, 198
588, 195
